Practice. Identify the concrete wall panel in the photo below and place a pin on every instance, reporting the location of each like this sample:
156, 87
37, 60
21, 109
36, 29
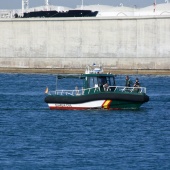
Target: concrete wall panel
123, 43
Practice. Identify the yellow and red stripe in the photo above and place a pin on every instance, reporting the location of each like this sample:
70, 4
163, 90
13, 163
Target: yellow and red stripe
106, 104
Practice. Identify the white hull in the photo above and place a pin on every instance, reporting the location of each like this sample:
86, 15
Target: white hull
87, 105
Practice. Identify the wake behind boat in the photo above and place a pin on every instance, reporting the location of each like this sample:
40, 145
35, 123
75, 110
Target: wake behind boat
98, 92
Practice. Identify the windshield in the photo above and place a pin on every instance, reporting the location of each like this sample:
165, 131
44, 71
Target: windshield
100, 81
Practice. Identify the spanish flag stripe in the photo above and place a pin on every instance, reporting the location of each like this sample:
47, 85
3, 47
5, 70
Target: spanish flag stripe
106, 104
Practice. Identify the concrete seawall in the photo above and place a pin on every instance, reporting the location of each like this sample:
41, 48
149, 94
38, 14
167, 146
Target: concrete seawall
62, 43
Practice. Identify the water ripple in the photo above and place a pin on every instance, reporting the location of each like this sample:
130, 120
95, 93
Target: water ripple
34, 137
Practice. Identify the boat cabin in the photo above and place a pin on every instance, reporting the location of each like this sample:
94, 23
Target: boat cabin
94, 80
98, 80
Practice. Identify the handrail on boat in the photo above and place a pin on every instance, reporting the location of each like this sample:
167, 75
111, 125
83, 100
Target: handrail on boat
97, 90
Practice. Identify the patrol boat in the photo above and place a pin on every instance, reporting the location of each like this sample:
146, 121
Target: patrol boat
99, 91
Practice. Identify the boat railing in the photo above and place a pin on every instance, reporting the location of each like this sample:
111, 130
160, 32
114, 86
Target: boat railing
67, 92
128, 89
97, 90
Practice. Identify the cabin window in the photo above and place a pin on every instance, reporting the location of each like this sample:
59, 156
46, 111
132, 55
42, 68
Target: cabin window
112, 81
93, 82
99, 81
109, 80
102, 81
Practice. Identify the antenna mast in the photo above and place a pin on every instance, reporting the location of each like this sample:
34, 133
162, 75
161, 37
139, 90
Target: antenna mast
25, 5
82, 4
46, 4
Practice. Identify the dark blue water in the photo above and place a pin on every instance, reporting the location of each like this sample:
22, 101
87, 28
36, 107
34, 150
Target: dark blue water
34, 137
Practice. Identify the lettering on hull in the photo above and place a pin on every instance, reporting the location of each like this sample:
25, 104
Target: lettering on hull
63, 105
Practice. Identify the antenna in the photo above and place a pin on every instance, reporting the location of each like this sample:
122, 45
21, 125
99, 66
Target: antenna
82, 3
25, 5
154, 6
46, 4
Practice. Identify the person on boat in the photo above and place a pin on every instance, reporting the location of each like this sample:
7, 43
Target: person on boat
76, 89
128, 81
106, 86
137, 84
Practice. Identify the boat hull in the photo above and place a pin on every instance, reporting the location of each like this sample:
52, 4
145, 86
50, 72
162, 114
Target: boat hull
98, 104
129, 97
56, 14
